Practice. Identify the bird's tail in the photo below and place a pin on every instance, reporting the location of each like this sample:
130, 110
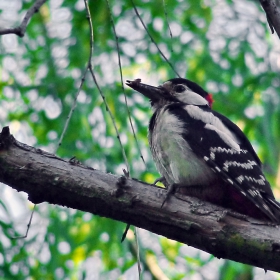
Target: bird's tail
274, 207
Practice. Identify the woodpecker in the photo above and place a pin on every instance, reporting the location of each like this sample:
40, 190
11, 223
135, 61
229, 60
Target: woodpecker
202, 153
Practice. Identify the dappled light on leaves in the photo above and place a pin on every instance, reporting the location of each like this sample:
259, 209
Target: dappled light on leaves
225, 46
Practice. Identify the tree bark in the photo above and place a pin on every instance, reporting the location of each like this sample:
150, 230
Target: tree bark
47, 178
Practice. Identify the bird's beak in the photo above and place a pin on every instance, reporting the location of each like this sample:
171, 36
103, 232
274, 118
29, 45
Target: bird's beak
153, 93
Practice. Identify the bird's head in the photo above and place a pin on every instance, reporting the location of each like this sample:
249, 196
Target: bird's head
174, 90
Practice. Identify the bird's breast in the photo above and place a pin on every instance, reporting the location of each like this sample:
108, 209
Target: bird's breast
172, 154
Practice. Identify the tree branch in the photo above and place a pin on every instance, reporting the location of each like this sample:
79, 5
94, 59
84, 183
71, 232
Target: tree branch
272, 11
46, 177
20, 30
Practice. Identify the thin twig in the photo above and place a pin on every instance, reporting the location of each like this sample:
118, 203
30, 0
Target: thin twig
137, 252
90, 67
72, 107
111, 116
63, 132
28, 226
77, 94
20, 30
165, 13
125, 96
152, 39
61, 136
133, 131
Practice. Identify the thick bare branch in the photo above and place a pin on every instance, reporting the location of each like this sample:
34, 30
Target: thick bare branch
46, 177
272, 10
20, 30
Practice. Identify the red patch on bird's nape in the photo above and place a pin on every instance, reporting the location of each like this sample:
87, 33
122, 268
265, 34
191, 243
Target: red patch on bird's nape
210, 99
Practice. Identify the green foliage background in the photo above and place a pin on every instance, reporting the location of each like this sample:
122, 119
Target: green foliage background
225, 46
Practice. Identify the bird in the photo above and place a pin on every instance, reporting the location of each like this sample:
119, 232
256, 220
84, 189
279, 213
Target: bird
201, 153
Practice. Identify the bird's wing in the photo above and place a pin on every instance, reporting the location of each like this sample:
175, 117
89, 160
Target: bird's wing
226, 150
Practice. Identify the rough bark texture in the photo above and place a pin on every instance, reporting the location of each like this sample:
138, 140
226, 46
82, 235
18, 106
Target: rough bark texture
46, 177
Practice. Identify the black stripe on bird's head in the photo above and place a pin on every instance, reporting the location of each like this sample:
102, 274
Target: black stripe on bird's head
174, 90
183, 89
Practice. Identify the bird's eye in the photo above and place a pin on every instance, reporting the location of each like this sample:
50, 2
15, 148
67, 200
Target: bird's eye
179, 88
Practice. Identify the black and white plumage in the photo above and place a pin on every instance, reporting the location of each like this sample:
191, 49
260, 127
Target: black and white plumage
204, 153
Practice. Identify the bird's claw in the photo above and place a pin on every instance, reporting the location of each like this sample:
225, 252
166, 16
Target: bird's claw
170, 190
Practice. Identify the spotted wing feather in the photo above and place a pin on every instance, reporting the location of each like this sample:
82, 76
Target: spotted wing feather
240, 167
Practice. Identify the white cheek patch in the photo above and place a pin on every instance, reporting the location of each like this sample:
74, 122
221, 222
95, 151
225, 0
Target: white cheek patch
192, 98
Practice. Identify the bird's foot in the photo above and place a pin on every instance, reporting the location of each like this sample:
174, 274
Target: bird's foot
161, 180
171, 189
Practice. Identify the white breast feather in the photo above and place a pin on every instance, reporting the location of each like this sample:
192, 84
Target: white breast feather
173, 156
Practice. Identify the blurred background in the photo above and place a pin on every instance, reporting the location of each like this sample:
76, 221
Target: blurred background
225, 46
